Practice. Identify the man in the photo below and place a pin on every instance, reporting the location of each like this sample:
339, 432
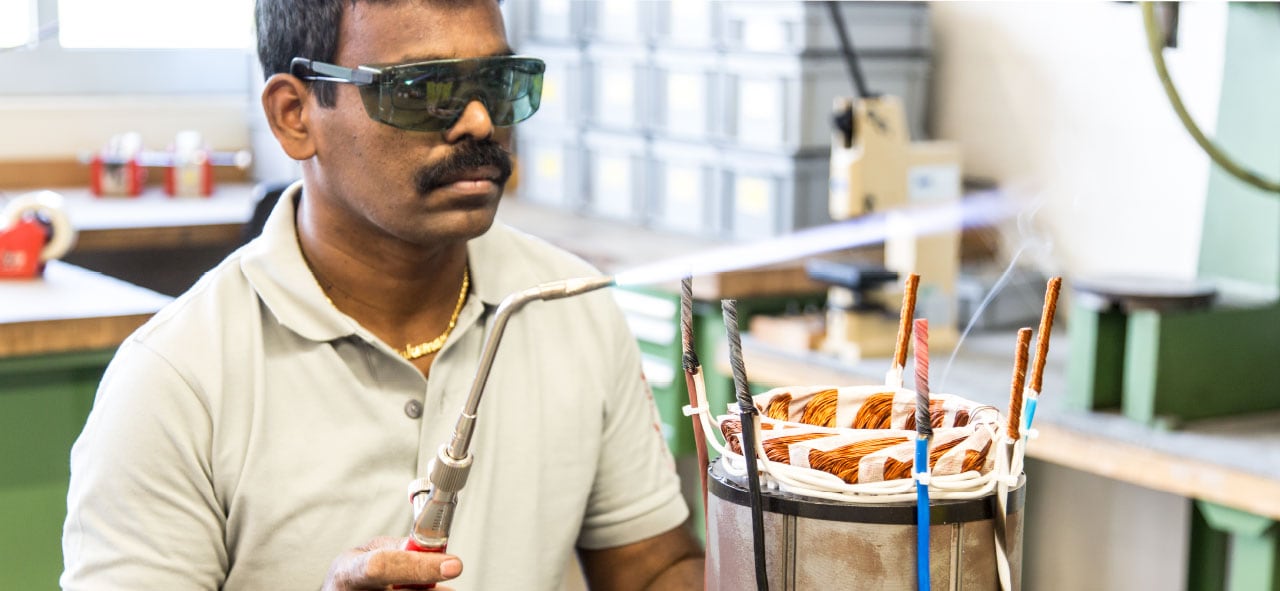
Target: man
259, 433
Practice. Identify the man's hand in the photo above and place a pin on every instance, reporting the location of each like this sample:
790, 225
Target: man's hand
381, 563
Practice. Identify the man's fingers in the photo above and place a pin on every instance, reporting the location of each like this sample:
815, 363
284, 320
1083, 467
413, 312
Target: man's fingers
381, 542
391, 566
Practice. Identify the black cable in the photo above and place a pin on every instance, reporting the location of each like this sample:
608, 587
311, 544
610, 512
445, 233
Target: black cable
690, 358
747, 415
850, 55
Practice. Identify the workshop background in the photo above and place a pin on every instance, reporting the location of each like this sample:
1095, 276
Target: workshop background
670, 127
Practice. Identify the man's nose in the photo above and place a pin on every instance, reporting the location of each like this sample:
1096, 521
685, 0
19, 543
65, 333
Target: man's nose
474, 123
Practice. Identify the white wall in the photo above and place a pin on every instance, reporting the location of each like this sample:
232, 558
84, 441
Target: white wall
59, 127
1059, 102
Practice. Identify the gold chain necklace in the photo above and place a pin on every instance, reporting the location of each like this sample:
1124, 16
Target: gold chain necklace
412, 352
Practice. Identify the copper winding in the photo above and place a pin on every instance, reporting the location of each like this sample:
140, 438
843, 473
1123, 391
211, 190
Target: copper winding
904, 321
779, 407
875, 413
778, 448
821, 410
1019, 381
938, 417
844, 461
1042, 337
731, 428
973, 460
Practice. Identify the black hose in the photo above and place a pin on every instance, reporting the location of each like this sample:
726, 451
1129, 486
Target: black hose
747, 415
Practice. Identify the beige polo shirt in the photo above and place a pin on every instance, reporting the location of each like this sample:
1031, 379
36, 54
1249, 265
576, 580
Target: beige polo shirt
251, 432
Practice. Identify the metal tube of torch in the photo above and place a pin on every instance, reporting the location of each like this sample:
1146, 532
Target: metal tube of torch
449, 470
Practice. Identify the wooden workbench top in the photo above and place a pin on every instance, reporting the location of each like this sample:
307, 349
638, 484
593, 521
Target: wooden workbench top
70, 309
154, 220
1233, 462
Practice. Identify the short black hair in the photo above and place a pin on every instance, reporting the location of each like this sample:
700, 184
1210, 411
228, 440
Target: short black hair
308, 28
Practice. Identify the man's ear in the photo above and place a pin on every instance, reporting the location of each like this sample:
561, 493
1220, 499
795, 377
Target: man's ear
284, 100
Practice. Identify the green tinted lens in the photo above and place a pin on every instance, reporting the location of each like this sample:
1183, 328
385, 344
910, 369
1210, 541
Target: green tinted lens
431, 96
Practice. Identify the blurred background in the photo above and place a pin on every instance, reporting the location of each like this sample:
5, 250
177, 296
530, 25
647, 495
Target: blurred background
670, 127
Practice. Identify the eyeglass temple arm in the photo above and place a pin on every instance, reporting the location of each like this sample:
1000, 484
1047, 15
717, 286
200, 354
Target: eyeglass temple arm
320, 71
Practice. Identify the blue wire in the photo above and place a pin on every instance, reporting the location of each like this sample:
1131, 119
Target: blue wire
922, 516
1031, 411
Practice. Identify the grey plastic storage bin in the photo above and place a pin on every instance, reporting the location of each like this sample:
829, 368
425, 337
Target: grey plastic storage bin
618, 82
687, 24
616, 175
766, 195
625, 22
687, 95
805, 27
557, 21
564, 88
685, 194
551, 167
783, 104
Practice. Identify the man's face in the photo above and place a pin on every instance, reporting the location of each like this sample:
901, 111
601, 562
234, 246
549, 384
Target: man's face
418, 187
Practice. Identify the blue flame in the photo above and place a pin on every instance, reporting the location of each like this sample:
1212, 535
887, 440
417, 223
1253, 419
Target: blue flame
973, 211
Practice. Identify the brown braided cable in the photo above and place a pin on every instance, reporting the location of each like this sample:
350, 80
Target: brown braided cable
692, 378
1042, 337
1019, 381
904, 321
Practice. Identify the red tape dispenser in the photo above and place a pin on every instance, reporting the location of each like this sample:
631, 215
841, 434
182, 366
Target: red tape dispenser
33, 229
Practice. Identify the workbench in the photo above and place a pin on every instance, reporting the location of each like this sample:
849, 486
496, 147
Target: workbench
57, 335
156, 241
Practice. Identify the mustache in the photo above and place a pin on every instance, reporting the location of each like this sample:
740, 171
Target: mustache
467, 156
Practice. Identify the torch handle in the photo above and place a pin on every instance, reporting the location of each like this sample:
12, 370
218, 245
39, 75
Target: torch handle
413, 546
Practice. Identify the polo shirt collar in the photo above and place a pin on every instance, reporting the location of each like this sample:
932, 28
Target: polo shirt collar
275, 266
494, 273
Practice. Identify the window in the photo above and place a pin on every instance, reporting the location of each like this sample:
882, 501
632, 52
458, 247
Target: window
132, 47
17, 22
155, 24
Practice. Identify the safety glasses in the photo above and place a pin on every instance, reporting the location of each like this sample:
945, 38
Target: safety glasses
430, 96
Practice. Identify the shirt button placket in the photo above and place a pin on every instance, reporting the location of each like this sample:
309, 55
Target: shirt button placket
413, 409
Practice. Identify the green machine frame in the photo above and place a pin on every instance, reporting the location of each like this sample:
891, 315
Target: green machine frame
1165, 368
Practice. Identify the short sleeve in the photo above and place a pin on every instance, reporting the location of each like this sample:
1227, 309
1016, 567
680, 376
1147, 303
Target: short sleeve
141, 510
636, 492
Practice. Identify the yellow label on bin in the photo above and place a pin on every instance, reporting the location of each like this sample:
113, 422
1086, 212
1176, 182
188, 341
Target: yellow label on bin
752, 195
550, 165
682, 186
